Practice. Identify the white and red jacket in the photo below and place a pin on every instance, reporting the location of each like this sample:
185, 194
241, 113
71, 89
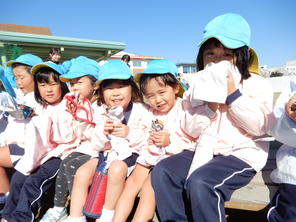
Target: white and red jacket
238, 129
179, 140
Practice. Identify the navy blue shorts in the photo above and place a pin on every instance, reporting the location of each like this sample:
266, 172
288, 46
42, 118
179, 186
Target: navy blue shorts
130, 161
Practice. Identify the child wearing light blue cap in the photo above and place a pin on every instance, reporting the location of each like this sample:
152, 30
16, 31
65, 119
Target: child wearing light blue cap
121, 115
230, 113
82, 75
283, 205
21, 68
47, 136
163, 92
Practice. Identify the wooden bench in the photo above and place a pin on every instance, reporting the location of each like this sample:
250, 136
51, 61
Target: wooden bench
259, 192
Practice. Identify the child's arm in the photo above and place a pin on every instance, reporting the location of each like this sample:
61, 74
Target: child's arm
195, 117
251, 110
285, 127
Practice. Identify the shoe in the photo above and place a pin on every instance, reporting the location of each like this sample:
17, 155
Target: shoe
53, 215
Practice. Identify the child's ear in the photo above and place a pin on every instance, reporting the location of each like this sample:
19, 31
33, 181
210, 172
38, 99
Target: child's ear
176, 89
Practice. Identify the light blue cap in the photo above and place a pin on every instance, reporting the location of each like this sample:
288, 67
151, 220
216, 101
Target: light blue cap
8, 88
81, 66
159, 66
55, 67
26, 59
114, 69
232, 30
162, 66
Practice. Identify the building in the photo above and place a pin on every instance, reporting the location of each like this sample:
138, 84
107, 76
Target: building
138, 62
186, 68
20, 39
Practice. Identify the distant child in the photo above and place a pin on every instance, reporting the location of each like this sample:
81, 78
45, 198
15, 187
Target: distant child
46, 141
284, 204
162, 90
238, 112
55, 55
117, 89
12, 137
82, 76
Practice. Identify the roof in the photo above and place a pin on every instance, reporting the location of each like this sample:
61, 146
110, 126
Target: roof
25, 29
71, 47
135, 56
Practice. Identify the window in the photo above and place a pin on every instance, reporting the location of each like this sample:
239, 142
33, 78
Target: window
186, 69
137, 63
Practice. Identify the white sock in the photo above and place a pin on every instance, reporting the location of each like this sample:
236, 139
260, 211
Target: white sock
107, 215
76, 219
58, 209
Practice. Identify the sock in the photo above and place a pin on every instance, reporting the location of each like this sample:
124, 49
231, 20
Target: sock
107, 215
76, 219
58, 209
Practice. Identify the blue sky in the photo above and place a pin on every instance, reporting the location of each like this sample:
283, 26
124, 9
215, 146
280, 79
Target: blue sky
167, 28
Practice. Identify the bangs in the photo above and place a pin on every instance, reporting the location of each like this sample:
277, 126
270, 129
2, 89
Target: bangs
44, 74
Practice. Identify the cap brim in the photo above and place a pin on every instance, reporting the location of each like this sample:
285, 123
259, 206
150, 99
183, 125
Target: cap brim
67, 77
182, 87
10, 63
228, 43
39, 66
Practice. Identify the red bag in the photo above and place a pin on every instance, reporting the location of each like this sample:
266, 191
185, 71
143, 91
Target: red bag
96, 196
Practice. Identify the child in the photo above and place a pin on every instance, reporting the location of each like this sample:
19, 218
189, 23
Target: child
117, 89
160, 87
12, 147
284, 206
47, 139
235, 126
55, 55
82, 75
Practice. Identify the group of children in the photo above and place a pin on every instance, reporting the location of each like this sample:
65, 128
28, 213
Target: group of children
184, 152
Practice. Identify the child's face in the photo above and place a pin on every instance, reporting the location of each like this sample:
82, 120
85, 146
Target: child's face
23, 79
117, 94
217, 54
161, 97
51, 91
55, 57
84, 86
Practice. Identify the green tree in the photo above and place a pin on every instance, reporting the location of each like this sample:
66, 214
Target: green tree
276, 74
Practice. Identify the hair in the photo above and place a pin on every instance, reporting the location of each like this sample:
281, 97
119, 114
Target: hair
55, 51
126, 58
28, 68
136, 94
92, 79
43, 75
162, 79
242, 57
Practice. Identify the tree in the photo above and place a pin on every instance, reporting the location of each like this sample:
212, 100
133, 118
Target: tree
276, 74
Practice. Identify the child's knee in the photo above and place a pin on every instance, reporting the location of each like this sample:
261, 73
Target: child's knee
117, 169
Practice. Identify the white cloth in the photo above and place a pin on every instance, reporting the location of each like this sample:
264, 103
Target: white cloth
120, 146
210, 84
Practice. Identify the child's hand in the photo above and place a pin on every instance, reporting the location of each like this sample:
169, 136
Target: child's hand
213, 106
230, 84
291, 112
161, 139
120, 130
108, 127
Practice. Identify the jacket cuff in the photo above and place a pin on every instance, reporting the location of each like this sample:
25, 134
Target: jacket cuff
232, 97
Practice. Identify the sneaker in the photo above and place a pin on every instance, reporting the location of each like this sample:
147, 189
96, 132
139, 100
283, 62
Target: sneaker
53, 215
